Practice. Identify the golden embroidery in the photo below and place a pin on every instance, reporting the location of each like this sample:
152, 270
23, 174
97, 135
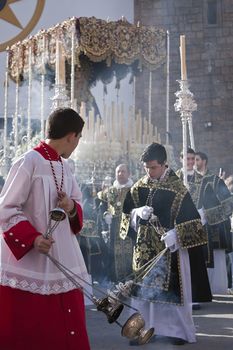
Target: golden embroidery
214, 215
125, 222
227, 205
191, 233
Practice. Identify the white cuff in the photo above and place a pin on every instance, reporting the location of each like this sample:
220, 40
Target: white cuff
133, 219
170, 240
202, 215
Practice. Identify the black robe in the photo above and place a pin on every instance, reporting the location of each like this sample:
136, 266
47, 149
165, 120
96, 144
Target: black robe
173, 208
198, 256
217, 202
118, 252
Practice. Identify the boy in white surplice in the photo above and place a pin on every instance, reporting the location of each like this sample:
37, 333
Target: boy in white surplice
40, 307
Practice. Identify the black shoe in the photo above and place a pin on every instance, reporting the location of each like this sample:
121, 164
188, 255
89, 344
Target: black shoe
196, 306
178, 341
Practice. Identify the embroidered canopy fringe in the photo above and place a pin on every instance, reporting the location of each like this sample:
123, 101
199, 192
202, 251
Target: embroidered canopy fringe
99, 40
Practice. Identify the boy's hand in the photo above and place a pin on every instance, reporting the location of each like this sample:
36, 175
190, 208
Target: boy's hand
43, 245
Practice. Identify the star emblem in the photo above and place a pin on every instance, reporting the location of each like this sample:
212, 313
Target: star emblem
6, 13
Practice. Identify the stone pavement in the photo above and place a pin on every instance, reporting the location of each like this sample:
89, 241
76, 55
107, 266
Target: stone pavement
214, 325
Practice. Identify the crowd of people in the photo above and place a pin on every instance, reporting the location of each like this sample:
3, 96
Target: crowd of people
111, 234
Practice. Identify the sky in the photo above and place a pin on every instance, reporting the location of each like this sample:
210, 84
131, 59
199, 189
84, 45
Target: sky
55, 12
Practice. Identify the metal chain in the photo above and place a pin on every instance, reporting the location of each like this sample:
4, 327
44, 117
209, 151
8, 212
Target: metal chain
53, 171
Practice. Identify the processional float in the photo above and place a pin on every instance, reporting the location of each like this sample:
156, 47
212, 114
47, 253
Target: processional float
64, 63
72, 56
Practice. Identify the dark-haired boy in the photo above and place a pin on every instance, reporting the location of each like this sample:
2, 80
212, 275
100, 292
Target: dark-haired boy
160, 210
40, 307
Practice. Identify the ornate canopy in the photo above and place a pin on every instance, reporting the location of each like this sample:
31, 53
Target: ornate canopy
71, 57
96, 41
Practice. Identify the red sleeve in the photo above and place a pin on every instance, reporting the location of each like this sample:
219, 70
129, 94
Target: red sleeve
20, 238
76, 223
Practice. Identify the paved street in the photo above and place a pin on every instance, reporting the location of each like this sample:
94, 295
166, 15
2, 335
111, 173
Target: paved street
214, 324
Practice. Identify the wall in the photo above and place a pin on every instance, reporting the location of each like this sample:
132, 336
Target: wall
210, 73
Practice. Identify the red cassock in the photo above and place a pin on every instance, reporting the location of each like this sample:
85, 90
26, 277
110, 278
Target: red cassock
34, 322
33, 318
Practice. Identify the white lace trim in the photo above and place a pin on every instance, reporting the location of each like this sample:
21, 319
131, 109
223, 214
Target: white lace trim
39, 287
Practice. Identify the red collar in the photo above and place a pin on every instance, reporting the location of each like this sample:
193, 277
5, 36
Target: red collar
53, 154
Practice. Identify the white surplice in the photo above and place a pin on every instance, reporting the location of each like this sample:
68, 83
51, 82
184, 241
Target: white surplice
30, 186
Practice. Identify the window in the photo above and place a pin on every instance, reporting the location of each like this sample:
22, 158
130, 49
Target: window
212, 12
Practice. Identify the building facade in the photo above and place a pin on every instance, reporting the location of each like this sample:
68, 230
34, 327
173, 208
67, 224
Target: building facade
208, 27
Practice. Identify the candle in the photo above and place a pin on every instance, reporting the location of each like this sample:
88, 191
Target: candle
92, 123
159, 138
137, 128
6, 104
183, 58
62, 67
72, 73
97, 124
150, 133
60, 64
127, 134
29, 129
122, 126
132, 125
144, 136
150, 98
140, 126
109, 123
113, 122
97, 127
155, 134
83, 110
57, 62
43, 71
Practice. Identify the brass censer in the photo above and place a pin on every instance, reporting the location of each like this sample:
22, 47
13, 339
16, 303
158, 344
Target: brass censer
111, 310
134, 329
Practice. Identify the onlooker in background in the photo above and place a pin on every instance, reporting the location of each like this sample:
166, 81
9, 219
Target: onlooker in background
201, 161
193, 177
229, 183
200, 283
119, 252
217, 203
